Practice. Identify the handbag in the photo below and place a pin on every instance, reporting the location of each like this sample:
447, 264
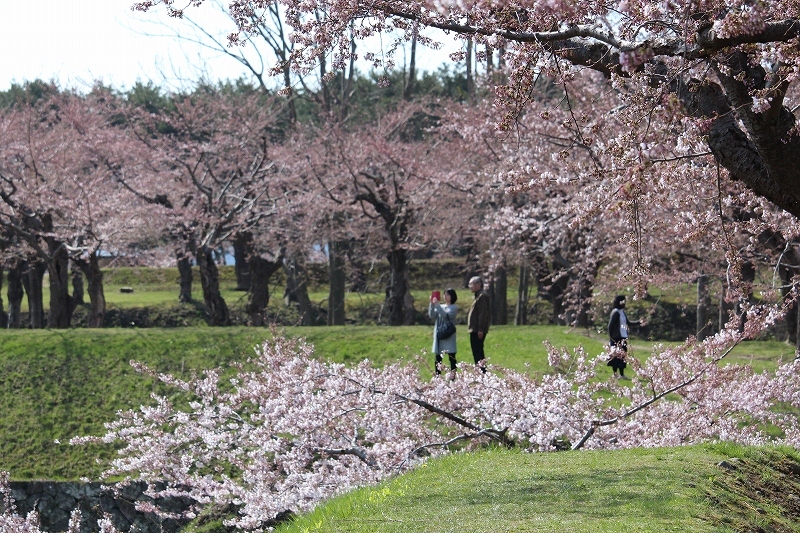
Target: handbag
445, 329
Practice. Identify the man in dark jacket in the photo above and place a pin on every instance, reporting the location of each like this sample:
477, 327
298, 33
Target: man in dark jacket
478, 320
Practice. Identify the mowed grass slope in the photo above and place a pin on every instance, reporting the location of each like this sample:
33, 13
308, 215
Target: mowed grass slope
56, 384
708, 488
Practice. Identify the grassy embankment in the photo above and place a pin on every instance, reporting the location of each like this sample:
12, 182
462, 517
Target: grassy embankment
709, 488
58, 384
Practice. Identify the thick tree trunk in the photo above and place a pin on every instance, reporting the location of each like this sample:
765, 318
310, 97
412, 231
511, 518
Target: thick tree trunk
797, 328
585, 289
184, 276
3, 315
242, 250
555, 293
261, 271
61, 306
97, 297
32, 282
358, 269
499, 294
216, 309
703, 304
408, 92
297, 288
470, 74
521, 315
336, 280
15, 294
399, 302
77, 285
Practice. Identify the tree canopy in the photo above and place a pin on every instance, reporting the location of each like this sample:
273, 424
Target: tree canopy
730, 65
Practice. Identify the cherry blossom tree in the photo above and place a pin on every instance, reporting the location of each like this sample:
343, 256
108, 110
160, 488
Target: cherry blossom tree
213, 170
729, 65
59, 199
400, 174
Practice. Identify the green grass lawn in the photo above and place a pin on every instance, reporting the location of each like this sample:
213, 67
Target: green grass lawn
642, 490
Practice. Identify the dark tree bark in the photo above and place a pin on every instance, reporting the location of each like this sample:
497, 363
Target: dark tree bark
358, 268
261, 271
521, 315
15, 294
336, 280
556, 286
499, 295
470, 74
411, 82
585, 282
77, 285
216, 309
32, 282
242, 250
297, 288
184, 276
399, 303
757, 149
566, 277
97, 297
3, 315
703, 305
61, 306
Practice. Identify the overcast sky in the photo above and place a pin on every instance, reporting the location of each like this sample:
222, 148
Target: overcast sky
78, 42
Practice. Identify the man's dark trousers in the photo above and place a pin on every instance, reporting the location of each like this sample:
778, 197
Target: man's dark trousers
476, 343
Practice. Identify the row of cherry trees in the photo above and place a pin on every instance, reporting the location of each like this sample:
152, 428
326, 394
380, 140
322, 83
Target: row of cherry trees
101, 174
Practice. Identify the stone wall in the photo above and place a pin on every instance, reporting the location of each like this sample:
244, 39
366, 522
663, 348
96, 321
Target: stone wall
54, 501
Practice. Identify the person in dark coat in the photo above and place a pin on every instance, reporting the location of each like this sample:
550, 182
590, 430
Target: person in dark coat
618, 333
478, 320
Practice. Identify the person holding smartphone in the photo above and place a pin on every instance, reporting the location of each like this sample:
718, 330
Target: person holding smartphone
443, 312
